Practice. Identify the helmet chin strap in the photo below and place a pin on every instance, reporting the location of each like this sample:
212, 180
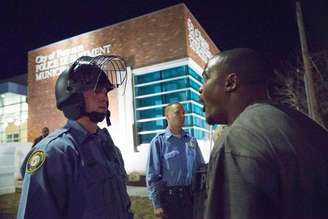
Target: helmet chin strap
98, 117
108, 118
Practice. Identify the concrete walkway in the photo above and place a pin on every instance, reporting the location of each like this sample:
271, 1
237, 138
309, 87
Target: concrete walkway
137, 191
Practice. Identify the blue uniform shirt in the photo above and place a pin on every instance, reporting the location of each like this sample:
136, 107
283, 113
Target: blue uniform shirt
82, 176
172, 161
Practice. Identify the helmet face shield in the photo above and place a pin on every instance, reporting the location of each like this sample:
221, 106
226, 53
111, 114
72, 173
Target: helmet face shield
107, 72
114, 69
102, 82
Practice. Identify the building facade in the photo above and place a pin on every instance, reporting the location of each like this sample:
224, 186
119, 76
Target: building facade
165, 52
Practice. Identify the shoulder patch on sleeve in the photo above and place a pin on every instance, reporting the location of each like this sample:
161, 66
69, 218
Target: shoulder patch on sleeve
35, 161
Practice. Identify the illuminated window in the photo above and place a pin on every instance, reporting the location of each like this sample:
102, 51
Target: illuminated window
13, 137
154, 90
13, 118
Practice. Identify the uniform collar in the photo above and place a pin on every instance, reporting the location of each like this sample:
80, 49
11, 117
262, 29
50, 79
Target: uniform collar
78, 131
168, 133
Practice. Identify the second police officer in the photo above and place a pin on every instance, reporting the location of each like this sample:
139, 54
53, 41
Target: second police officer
174, 157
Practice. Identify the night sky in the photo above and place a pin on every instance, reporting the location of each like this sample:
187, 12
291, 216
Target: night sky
268, 25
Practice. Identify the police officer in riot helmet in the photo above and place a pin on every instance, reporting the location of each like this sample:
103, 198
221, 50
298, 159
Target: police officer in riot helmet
77, 171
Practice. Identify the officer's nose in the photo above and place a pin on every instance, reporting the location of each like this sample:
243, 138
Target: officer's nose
103, 97
103, 93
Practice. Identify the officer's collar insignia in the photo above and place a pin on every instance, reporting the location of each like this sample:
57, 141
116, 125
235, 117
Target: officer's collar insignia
35, 161
191, 144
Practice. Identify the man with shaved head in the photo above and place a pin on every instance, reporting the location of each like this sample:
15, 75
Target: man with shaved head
272, 162
174, 157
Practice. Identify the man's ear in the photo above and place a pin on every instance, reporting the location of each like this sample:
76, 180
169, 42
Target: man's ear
231, 82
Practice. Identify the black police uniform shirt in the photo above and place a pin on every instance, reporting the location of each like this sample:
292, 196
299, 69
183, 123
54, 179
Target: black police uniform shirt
271, 163
75, 174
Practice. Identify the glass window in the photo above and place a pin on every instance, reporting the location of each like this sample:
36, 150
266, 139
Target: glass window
149, 101
195, 75
146, 138
198, 110
13, 118
193, 108
154, 76
163, 99
162, 87
160, 99
174, 72
24, 106
176, 97
187, 107
194, 85
194, 121
188, 121
151, 125
176, 84
9, 138
199, 134
13, 137
150, 113
194, 96
149, 89
199, 122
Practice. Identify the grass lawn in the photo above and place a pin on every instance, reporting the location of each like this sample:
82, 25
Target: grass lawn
141, 206
8, 205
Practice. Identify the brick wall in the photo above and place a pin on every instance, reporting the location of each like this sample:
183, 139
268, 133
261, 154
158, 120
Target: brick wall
149, 39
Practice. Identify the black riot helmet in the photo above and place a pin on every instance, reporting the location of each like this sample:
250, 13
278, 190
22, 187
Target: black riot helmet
84, 74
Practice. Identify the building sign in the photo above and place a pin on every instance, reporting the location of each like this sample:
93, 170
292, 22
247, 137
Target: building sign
197, 42
53, 64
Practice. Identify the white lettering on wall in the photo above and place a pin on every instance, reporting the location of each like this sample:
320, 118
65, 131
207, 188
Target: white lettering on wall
53, 64
197, 42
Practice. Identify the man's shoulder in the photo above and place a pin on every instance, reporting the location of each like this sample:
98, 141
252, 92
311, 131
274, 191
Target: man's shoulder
56, 148
263, 129
159, 135
262, 109
39, 138
158, 139
60, 140
260, 116
250, 134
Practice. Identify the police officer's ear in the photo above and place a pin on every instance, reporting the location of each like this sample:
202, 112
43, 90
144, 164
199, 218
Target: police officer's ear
231, 83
